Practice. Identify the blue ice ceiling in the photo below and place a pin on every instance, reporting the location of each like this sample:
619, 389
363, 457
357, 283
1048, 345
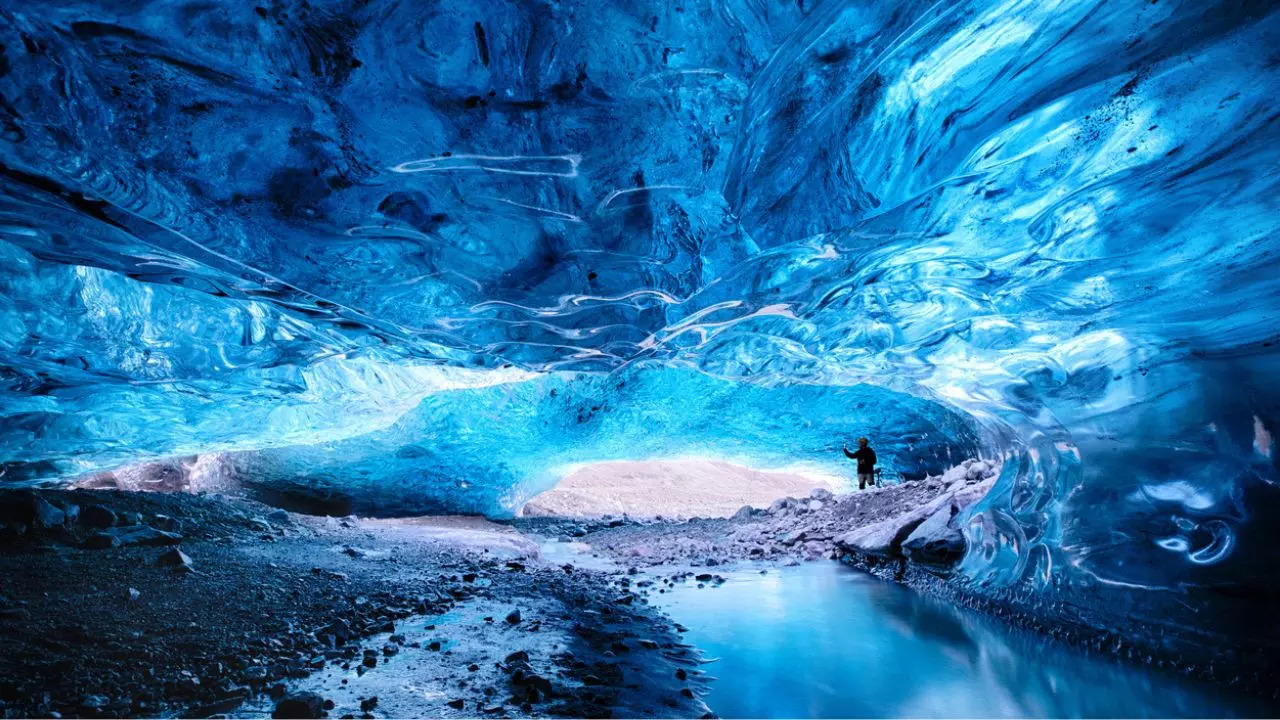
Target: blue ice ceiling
322, 233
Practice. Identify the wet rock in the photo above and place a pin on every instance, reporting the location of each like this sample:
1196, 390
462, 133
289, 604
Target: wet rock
369, 703
278, 516
134, 595
97, 516
300, 705
514, 617
457, 704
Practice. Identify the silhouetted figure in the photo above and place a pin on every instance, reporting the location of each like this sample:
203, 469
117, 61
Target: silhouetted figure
866, 458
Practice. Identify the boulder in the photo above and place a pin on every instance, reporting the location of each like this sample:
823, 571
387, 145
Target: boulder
884, 539
815, 505
175, 558
822, 494
97, 516
936, 542
744, 513
300, 705
29, 510
100, 541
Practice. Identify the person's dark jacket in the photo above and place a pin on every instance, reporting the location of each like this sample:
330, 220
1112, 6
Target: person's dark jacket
866, 458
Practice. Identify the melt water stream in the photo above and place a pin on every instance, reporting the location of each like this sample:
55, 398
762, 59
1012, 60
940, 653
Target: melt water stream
826, 640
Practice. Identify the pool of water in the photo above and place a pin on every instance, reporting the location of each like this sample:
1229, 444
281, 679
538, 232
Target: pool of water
826, 640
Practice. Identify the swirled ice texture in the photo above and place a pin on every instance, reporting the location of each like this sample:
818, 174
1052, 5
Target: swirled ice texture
396, 248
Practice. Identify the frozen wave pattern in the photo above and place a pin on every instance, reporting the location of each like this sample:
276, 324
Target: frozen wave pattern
269, 229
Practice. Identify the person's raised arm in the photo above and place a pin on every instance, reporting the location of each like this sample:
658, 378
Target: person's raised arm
848, 454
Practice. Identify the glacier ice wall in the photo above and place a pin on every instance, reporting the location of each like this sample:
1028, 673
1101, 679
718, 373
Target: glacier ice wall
489, 451
319, 234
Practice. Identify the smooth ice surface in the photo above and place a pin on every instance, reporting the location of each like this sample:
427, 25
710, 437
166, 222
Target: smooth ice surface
354, 245
489, 450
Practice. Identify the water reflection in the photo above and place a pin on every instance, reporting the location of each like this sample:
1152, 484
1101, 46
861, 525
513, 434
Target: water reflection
824, 640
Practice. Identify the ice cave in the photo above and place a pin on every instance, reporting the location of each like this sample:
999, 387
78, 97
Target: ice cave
509, 358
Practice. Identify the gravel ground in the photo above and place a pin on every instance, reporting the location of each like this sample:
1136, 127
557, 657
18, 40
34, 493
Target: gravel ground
269, 599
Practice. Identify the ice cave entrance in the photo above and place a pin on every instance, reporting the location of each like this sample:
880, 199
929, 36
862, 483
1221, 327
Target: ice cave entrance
673, 488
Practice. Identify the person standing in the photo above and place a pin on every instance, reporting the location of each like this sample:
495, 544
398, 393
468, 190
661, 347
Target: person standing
866, 458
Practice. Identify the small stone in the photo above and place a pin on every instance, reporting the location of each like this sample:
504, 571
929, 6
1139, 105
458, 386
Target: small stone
93, 702
369, 703
457, 704
513, 617
134, 595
